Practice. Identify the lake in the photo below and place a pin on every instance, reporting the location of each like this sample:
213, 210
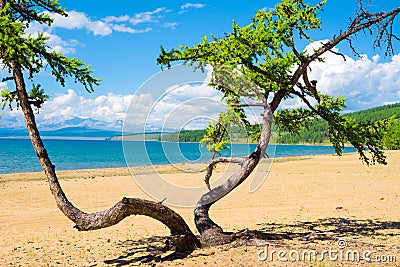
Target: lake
17, 155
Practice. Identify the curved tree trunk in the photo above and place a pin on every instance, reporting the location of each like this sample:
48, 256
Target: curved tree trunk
211, 233
184, 239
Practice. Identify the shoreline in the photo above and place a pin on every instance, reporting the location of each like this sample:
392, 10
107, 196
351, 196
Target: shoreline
233, 143
170, 168
166, 165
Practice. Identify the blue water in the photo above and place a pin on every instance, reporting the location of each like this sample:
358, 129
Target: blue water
17, 155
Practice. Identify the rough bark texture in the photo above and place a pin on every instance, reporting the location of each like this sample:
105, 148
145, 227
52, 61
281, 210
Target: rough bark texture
211, 233
214, 162
183, 238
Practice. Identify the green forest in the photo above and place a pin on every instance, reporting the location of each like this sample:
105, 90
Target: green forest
179, 136
183, 136
316, 133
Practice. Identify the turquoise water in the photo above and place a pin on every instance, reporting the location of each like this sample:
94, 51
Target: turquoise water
17, 155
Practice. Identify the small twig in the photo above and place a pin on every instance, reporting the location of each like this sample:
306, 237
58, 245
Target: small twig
221, 136
162, 201
311, 87
215, 161
249, 104
338, 54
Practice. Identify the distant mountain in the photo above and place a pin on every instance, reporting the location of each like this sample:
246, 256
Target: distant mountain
7, 132
84, 124
70, 132
80, 132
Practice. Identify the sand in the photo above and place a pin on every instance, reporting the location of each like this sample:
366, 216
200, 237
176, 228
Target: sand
305, 203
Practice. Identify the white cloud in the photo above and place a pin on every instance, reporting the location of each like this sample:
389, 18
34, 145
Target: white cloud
162, 107
184, 106
61, 46
365, 82
101, 27
292, 103
65, 110
170, 25
191, 5
189, 106
123, 18
185, 8
55, 42
268, 9
80, 20
104, 26
139, 18
106, 108
123, 28
148, 16
75, 20
391, 103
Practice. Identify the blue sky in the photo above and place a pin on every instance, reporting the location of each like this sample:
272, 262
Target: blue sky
122, 40
126, 60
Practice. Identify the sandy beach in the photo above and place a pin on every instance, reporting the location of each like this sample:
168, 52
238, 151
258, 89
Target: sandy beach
316, 203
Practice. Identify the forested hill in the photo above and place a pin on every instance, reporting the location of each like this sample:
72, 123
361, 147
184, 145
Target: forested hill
318, 133
378, 113
182, 136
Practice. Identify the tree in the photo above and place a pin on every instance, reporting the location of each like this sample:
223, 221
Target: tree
392, 138
265, 53
26, 55
262, 53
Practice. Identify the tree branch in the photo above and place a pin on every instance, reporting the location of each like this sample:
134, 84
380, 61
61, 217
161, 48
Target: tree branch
134, 206
311, 87
305, 100
221, 136
210, 232
254, 68
354, 27
37, 102
126, 207
297, 54
249, 104
338, 54
215, 161
277, 99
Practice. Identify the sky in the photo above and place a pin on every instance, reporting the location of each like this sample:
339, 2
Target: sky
122, 40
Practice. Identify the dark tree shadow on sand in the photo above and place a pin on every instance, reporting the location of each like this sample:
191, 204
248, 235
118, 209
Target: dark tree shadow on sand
157, 249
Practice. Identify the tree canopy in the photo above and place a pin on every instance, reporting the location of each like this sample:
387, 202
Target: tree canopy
265, 52
31, 54
317, 131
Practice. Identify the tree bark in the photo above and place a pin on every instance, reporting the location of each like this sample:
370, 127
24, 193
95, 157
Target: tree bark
183, 238
211, 233
215, 162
